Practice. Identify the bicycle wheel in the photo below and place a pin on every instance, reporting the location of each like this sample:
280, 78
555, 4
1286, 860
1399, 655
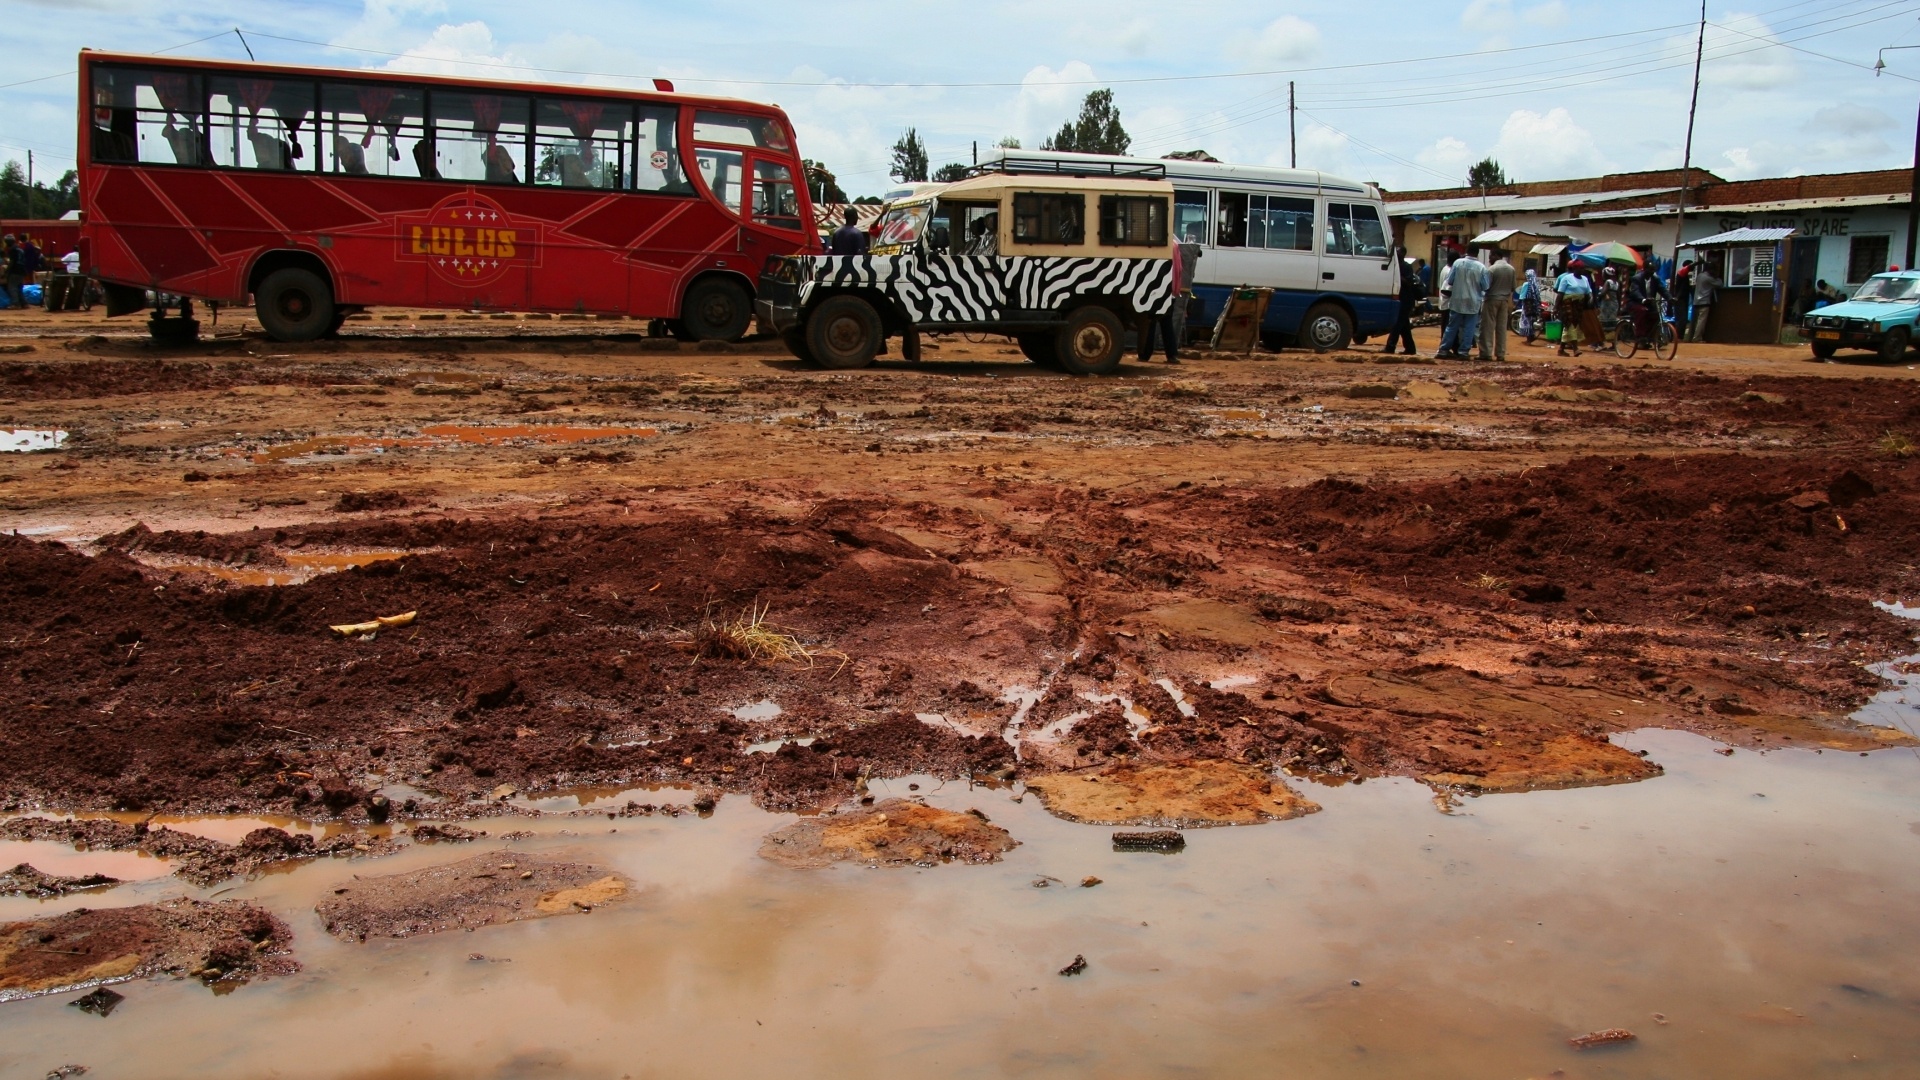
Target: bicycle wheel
1623, 344
1666, 341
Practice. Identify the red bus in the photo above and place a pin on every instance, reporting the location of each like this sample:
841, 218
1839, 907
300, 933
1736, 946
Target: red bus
318, 192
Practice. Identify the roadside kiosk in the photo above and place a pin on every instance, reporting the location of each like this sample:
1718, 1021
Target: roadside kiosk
1755, 296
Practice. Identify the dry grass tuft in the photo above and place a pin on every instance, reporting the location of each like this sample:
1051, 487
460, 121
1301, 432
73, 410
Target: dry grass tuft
748, 636
1894, 444
1492, 583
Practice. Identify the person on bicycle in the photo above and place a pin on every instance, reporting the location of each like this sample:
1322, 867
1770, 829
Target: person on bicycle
1645, 291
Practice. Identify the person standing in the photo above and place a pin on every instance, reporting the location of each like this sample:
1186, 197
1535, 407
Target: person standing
1466, 288
14, 261
1172, 325
1497, 309
1573, 298
1682, 295
848, 239
1425, 274
1528, 297
1705, 287
1411, 293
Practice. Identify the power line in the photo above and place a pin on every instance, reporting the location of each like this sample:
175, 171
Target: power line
156, 52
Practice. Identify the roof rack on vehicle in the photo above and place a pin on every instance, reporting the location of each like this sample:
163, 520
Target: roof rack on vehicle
1119, 168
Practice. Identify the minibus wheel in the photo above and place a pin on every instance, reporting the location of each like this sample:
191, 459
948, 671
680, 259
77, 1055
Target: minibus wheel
1090, 343
843, 332
1326, 328
294, 305
716, 309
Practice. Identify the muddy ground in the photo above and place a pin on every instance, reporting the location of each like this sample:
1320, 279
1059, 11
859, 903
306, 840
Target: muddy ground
620, 550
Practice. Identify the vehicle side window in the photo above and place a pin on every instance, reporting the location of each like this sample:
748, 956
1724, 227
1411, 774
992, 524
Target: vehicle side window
723, 170
152, 117
1230, 226
577, 144
1354, 229
1190, 216
1139, 221
480, 137
261, 123
1289, 223
656, 151
1049, 218
736, 129
775, 202
374, 129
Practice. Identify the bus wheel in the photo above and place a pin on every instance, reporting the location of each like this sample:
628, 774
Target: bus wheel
843, 332
294, 305
796, 342
1326, 328
1090, 343
716, 310
1039, 348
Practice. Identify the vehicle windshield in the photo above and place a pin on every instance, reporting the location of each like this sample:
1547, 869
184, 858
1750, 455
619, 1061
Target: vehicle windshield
1889, 288
903, 224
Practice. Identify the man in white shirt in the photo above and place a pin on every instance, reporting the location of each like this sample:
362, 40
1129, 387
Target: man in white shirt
71, 261
1466, 294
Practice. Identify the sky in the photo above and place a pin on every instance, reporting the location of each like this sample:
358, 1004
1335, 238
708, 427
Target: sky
1408, 95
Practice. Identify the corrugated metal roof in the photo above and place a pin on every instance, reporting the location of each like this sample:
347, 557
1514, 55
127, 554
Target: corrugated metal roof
1499, 204
1547, 249
1742, 236
1493, 236
1779, 206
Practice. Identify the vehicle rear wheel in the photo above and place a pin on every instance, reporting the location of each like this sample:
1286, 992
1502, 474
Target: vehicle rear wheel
294, 305
795, 340
1824, 350
1893, 347
843, 332
716, 309
1327, 328
1090, 343
1039, 348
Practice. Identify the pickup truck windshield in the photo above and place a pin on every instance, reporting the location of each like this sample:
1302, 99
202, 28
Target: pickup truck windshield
903, 224
1889, 288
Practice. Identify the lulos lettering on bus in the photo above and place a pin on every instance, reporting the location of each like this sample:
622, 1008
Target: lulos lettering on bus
488, 243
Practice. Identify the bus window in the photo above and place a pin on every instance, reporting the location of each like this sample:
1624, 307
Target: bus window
656, 151
257, 123
1190, 217
723, 172
1230, 227
371, 129
775, 202
479, 137
1354, 229
577, 144
1289, 223
734, 129
152, 117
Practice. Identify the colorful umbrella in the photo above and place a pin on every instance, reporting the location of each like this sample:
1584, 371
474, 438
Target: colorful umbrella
1605, 252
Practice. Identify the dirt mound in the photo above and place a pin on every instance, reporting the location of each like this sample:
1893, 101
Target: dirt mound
1191, 794
893, 832
197, 859
230, 942
481, 891
24, 880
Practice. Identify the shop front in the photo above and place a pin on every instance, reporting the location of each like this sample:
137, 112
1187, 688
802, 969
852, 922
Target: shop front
1759, 292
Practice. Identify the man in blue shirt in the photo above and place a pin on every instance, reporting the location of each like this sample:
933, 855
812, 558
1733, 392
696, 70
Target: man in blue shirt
848, 239
1467, 291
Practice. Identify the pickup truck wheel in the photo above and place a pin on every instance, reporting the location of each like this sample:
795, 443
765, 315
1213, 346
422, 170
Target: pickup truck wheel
843, 332
1090, 343
1039, 348
294, 305
1823, 350
716, 310
1893, 347
1326, 328
796, 342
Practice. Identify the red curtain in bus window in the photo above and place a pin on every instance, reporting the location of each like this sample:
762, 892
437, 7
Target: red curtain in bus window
376, 104
176, 94
583, 117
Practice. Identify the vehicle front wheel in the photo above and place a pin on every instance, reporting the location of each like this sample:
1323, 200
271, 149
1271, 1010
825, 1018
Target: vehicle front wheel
716, 309
843, 332
1823, 350
294, 305
1039, 348
1893, 347
1090, 343
1327, 328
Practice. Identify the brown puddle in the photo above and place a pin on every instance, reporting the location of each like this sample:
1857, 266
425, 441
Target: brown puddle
1744, 916
435, 435
301, 566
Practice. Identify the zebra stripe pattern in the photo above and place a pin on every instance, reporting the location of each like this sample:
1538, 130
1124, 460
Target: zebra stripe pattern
937, 289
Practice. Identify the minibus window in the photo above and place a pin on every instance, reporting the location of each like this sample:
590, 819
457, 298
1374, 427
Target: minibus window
1230, 228
1190, 217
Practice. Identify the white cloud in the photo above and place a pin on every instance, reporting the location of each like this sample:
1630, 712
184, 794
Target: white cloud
1048, 98
1286, 40
1448, 156
1537, 146
1132, 37
1551, 13
1743, 53
466, 49
1848, 119
1498, 16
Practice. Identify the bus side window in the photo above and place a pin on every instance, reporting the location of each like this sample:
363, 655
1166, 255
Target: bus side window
1230, 228
775, 202
1369, 238
153, 117
260, 123
1289, 223
373, 129
479, 137
578, 144
1339, 230
1190, 217
656, 152
114, 122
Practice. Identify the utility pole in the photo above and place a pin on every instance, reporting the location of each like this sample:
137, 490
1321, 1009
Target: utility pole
1686, 161
1913, 199
29, 185
1293, 144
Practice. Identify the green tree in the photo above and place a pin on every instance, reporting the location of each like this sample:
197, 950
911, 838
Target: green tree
867, 200
1487, 174
1008, 143
822, 185
947, 174
909, 159
1096, 131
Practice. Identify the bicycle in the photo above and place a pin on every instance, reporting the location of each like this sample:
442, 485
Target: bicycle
1666, 340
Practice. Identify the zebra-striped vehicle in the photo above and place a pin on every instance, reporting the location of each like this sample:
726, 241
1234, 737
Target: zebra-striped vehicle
996, 253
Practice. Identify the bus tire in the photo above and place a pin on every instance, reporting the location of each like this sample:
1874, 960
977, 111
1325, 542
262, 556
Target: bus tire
716, 309
1327, 328
843, 332
1039, 348
1090, 343
294, 305
795, 340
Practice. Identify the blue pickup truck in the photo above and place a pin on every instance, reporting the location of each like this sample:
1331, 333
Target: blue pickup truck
1880, 318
